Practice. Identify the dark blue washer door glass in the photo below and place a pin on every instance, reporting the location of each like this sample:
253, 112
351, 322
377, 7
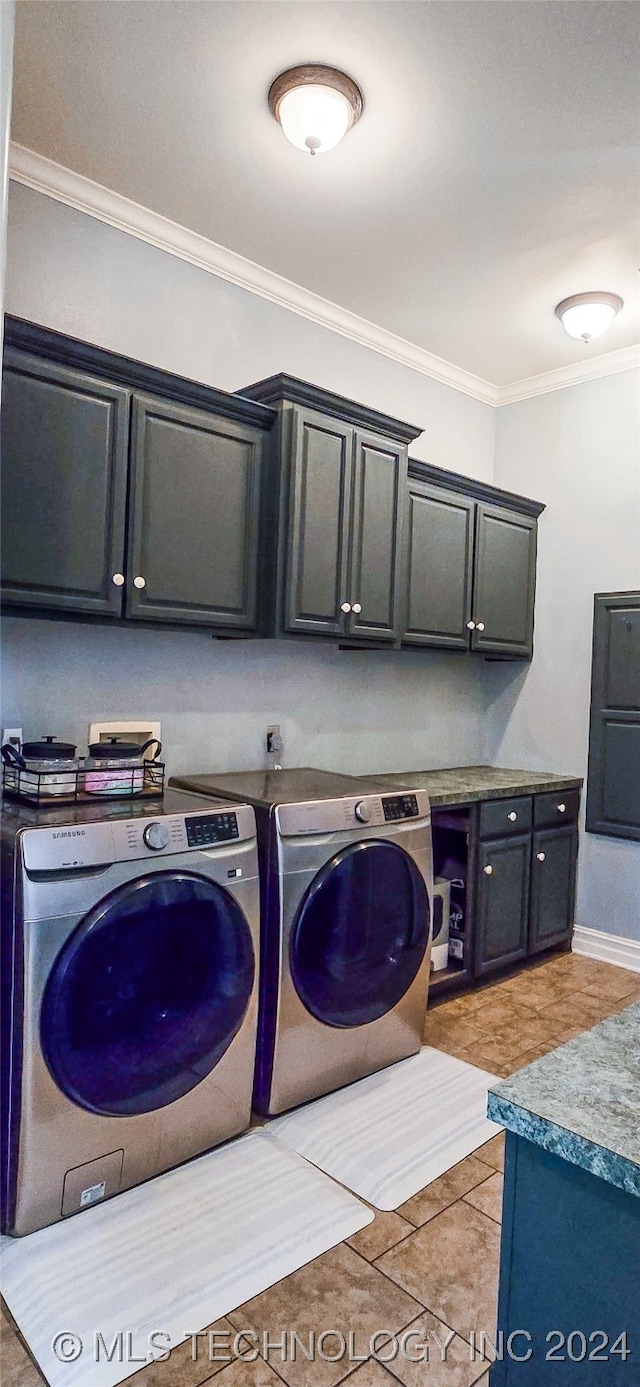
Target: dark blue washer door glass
147, 994
360, 934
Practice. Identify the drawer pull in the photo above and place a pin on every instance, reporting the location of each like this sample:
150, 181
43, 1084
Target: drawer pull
541, 856
562, 808
488, 870
513, 816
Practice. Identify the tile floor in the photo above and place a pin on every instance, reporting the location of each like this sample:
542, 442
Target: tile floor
430, 1268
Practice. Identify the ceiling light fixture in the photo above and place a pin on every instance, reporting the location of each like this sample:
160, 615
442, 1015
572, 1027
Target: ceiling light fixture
588, 315
315, 106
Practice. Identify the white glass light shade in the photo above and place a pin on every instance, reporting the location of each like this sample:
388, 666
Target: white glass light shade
314, 117
588, 315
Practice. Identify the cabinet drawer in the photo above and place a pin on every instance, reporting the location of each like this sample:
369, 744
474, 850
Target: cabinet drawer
556, 807
501, 816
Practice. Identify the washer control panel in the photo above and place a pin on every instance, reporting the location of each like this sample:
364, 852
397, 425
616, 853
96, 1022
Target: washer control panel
205, 829
400, 807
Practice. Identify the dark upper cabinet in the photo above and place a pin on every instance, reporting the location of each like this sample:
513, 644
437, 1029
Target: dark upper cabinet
193, 517
123, 503
64, 476
379, 475
502, 902
321, 483
339, 472
553, 885
470, 565
504, 582
613, 785
438, 567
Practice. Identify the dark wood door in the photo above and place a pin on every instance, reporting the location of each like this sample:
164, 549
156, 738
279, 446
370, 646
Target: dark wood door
502, 902
321, 479
439, 567
553, 886
380, 471
613, 785
64, 475
504, 582
194, 511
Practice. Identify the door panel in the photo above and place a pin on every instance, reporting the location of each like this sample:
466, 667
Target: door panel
504, 590
502, 903
64, 467
613, 786
194, 516
322, 468
440, 528
553, 882
376, 553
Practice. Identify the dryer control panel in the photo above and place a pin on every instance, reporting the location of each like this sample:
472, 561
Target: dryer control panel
400, 807
205, 829
73, 847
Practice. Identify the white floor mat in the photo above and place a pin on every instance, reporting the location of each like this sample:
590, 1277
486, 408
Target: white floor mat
387, 1136
170, 1257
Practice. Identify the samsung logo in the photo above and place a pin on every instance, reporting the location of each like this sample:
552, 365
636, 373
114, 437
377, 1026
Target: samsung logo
71, 833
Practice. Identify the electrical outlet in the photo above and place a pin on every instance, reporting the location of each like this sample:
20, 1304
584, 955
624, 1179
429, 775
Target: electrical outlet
273, 738
12, 735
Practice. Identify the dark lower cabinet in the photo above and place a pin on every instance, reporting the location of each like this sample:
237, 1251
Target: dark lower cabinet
64, 476
502, 902
193, 517
553, 886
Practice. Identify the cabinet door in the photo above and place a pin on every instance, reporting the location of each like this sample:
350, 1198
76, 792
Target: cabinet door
193, 541
504, 582
553, 882
613, 785
439, 567
64, 472
319, 509
380, 470
502, 902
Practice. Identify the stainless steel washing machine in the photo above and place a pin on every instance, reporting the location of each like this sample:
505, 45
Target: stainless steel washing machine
346, 879
130, 942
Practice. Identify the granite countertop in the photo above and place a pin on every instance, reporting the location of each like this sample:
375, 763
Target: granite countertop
467, 784
582, 1101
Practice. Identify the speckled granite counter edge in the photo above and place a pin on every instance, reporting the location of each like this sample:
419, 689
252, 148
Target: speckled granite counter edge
588, 1155
440, 798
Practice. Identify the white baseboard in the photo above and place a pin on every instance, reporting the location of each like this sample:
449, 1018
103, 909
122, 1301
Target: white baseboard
608, 948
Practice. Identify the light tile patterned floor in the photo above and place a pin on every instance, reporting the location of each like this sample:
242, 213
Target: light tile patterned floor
430, 1269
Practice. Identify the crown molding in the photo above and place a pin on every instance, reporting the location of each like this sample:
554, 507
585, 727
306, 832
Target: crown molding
45, 176
64, 185
608, 364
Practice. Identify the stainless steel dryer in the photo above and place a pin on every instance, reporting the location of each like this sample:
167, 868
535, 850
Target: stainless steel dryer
346, 880
130, 979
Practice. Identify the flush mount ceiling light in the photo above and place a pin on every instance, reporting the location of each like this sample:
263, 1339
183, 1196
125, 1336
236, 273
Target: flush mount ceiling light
315, 106
588, 315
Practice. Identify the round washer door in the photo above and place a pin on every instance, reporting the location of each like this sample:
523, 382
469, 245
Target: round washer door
360, 934
147, 994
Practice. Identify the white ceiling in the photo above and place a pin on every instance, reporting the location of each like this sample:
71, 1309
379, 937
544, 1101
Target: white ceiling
494, 170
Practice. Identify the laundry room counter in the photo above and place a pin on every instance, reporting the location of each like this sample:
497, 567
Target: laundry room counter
569, 1267
468, 784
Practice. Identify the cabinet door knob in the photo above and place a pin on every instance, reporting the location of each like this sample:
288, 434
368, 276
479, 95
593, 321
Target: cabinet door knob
139, 582
356, 607
345, 607
562, 808
488, 871
471, 626
513, 816
480, 626
118, 579
541, 856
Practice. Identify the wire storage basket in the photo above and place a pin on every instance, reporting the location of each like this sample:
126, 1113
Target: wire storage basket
44, 789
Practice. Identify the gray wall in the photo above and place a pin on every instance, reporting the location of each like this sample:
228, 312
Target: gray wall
342, 710
7, 15
578, 450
